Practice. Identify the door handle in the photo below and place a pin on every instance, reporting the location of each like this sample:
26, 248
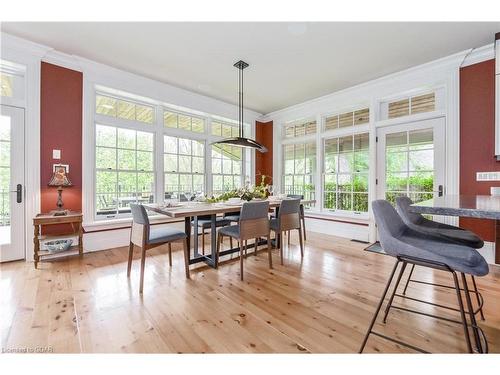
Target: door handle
19, 193
440, 190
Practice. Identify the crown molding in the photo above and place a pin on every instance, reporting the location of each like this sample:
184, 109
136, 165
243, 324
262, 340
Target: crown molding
11, 43
479, 54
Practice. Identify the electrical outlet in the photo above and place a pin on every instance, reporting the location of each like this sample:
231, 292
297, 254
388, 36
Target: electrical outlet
488, 176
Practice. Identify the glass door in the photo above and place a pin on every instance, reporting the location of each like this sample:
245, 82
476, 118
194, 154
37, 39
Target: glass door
12, 246
411, 160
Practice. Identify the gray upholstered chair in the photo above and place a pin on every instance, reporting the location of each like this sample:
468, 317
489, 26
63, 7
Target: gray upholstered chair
302, 214
445, 231
412, 247
442, 231
147, 237
205, 222
233, 217
253, 223
288, 219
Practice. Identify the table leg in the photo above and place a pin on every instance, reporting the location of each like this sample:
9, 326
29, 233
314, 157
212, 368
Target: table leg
213, 240
36, 243
80, 239
195, 236
187, 230
497, 241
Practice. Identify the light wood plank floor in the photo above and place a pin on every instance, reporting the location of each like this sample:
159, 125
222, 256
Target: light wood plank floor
322, 304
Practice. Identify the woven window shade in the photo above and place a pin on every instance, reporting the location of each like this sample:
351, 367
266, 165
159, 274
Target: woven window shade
423, 103
399, 108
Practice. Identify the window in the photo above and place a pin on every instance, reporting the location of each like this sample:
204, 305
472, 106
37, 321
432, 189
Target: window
6, 85
184, 166
353, 118
128, 110
410, 165
346, 163
227, 171
124, 169
412, 105
184, 122
300, 129
300, 169
4, 171
226, 130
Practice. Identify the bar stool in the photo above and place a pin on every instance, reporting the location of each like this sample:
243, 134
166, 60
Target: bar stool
288, 219
442, 231
253, 223
411, 247
146, 237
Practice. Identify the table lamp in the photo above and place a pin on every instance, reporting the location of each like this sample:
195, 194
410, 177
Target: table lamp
59, 179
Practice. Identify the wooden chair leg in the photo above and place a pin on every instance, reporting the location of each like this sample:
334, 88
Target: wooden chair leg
186, 257
241, 260
301, 243
203, 241
219, 242
246, 244
130, 256
269, 251
170, 254
304, 227
231, 242
143, 263
255, 247
281, 246
288, 234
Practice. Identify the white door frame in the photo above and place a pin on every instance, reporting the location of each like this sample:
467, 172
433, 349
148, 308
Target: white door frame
15, 249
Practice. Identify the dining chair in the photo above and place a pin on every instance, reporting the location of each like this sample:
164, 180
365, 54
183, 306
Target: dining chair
288, 219
302, 215
253, 223
409, 246
147, 237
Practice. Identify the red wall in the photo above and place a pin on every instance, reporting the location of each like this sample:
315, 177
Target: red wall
264, 161
477, 137
61, 129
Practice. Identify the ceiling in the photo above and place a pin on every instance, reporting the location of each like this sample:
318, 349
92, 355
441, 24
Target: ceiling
289, 62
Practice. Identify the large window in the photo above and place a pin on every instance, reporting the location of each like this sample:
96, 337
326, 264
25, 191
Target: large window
184, 166
300, 169
346, 162
227, 168
124, 169
5, 143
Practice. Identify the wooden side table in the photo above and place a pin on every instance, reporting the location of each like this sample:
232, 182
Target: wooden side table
74, 218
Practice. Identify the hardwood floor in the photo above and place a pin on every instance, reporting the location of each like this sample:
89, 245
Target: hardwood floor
322, 304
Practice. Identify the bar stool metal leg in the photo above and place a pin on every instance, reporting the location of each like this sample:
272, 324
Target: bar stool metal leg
462, 312
372, 323
409, 279
403, 267
472, 316
477, 297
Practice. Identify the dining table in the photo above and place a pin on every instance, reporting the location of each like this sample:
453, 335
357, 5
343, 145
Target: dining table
190, 211
476, 206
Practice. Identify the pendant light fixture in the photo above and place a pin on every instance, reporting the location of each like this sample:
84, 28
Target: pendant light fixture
241, 141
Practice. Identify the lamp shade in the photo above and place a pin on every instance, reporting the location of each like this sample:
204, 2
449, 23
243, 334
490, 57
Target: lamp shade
59, 177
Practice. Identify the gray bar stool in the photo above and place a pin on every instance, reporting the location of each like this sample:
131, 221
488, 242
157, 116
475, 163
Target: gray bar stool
146, 237
253, 223
412, 247
442, 231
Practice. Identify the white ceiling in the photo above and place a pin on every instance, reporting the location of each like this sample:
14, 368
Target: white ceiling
289, 62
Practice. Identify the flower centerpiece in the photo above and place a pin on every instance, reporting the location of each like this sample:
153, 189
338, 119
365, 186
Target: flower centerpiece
246, 193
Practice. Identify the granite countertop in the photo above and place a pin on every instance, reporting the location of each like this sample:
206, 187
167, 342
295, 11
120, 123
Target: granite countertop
479, 206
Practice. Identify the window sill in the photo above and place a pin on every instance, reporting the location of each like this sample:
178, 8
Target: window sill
361, 219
